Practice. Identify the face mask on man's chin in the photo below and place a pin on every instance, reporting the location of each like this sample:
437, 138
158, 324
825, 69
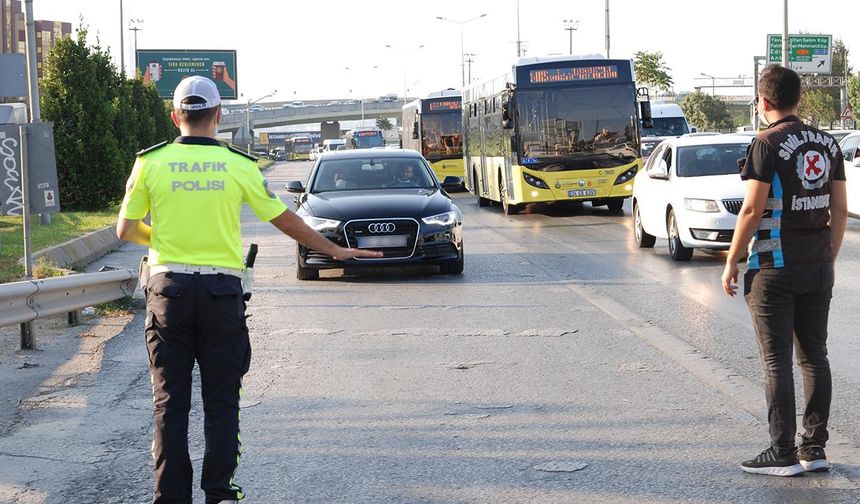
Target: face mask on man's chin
763, 119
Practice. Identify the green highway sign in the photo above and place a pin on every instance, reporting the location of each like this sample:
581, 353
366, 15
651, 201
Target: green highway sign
166, 67
806, 53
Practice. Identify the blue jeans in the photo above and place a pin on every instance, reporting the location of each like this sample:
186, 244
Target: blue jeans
791, 305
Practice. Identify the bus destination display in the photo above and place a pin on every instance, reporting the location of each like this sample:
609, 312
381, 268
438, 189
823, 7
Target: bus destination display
445, 105
549, 75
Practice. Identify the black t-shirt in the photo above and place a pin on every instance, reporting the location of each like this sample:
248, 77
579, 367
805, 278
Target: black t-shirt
800, 163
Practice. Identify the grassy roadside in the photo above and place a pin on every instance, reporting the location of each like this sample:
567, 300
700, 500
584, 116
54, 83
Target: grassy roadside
64, 226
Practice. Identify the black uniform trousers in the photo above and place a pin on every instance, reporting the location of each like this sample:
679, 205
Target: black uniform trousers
196, 317
791, 306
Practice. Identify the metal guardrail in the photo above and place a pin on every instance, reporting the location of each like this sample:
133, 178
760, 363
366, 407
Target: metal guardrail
26, 301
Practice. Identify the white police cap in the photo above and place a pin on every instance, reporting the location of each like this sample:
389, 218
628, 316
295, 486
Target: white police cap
196, 86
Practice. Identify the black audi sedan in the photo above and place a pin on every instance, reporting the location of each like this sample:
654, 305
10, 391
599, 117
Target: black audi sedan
380, 199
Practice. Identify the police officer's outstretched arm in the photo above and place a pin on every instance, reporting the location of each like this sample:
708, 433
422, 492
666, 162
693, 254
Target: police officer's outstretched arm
290, 224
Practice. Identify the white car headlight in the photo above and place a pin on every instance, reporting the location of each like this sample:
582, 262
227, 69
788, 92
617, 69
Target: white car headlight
321, 225
443, 219
701, 205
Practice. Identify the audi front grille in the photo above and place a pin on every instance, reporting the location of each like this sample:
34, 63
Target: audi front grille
398, 237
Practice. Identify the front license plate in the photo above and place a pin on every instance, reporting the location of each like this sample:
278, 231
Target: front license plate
581, 192
388, 241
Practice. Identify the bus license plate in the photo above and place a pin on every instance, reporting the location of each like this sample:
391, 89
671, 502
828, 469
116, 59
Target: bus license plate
581, 192
388, 241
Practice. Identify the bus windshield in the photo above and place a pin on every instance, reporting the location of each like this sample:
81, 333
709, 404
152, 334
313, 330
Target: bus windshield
577, 128
368, 140
666, 126
302, 146
441, 136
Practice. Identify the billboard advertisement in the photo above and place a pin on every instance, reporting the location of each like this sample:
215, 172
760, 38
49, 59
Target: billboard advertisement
166, 67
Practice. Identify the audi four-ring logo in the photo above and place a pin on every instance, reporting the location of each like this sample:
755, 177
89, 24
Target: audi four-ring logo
382, 227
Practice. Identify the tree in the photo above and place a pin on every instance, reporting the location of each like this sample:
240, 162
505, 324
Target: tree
100, 121
384, 124
854, 96
817, 107
78, 94
840, 58
651, 70
706, 111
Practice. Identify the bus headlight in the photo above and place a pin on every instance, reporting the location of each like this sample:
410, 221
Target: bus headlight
534, 181
701, 205
626, 176
443, 219
321, 225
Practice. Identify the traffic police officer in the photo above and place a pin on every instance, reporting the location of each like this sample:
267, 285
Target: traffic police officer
793, 218
193, 190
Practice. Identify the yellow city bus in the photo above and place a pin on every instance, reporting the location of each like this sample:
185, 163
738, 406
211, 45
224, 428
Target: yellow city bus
432, 126
554, 129
298, 148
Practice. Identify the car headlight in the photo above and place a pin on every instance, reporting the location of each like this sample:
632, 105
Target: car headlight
321, 225
701, 205
443, 219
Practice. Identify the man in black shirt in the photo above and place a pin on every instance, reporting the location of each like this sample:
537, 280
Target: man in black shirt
795, 212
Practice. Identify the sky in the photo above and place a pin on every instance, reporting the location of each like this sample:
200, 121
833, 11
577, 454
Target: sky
302, 49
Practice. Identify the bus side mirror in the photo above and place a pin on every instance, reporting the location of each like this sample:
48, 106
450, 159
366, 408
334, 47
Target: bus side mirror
645, 114
415, 130
507, 122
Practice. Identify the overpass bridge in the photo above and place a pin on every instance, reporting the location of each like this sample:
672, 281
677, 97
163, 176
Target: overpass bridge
237, 122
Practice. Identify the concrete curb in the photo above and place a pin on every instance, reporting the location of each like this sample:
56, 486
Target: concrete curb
80, 251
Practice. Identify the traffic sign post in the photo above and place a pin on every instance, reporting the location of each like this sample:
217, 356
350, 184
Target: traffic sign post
847, 118
806, 53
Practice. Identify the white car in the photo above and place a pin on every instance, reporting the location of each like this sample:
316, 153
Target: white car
690, 192
851, 152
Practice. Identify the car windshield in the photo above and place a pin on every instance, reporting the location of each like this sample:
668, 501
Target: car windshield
441, 135
705, 160
666, 127
577, 129
372, 174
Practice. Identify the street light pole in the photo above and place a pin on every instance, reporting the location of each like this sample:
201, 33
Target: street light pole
248, 116
713, 86
519, 42
361, 90
607, 29
403, 52
462, 48
571, 25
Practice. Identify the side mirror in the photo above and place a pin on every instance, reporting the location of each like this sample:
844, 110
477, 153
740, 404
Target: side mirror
295, 186
856, 162
452, 183
645, 114
661, 171
415, 130
507, 120
693, 129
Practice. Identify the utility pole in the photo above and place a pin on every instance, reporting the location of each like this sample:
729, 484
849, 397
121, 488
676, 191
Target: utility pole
121, 39
462, 49
571, 26
469, 61
133, 27
519, 39
607, 29
784, 33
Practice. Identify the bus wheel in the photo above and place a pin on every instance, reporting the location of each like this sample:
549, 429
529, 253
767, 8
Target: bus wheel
508, 208
615, 204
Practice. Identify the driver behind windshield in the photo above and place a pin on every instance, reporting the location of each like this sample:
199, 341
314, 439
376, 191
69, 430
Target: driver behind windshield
405, 175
